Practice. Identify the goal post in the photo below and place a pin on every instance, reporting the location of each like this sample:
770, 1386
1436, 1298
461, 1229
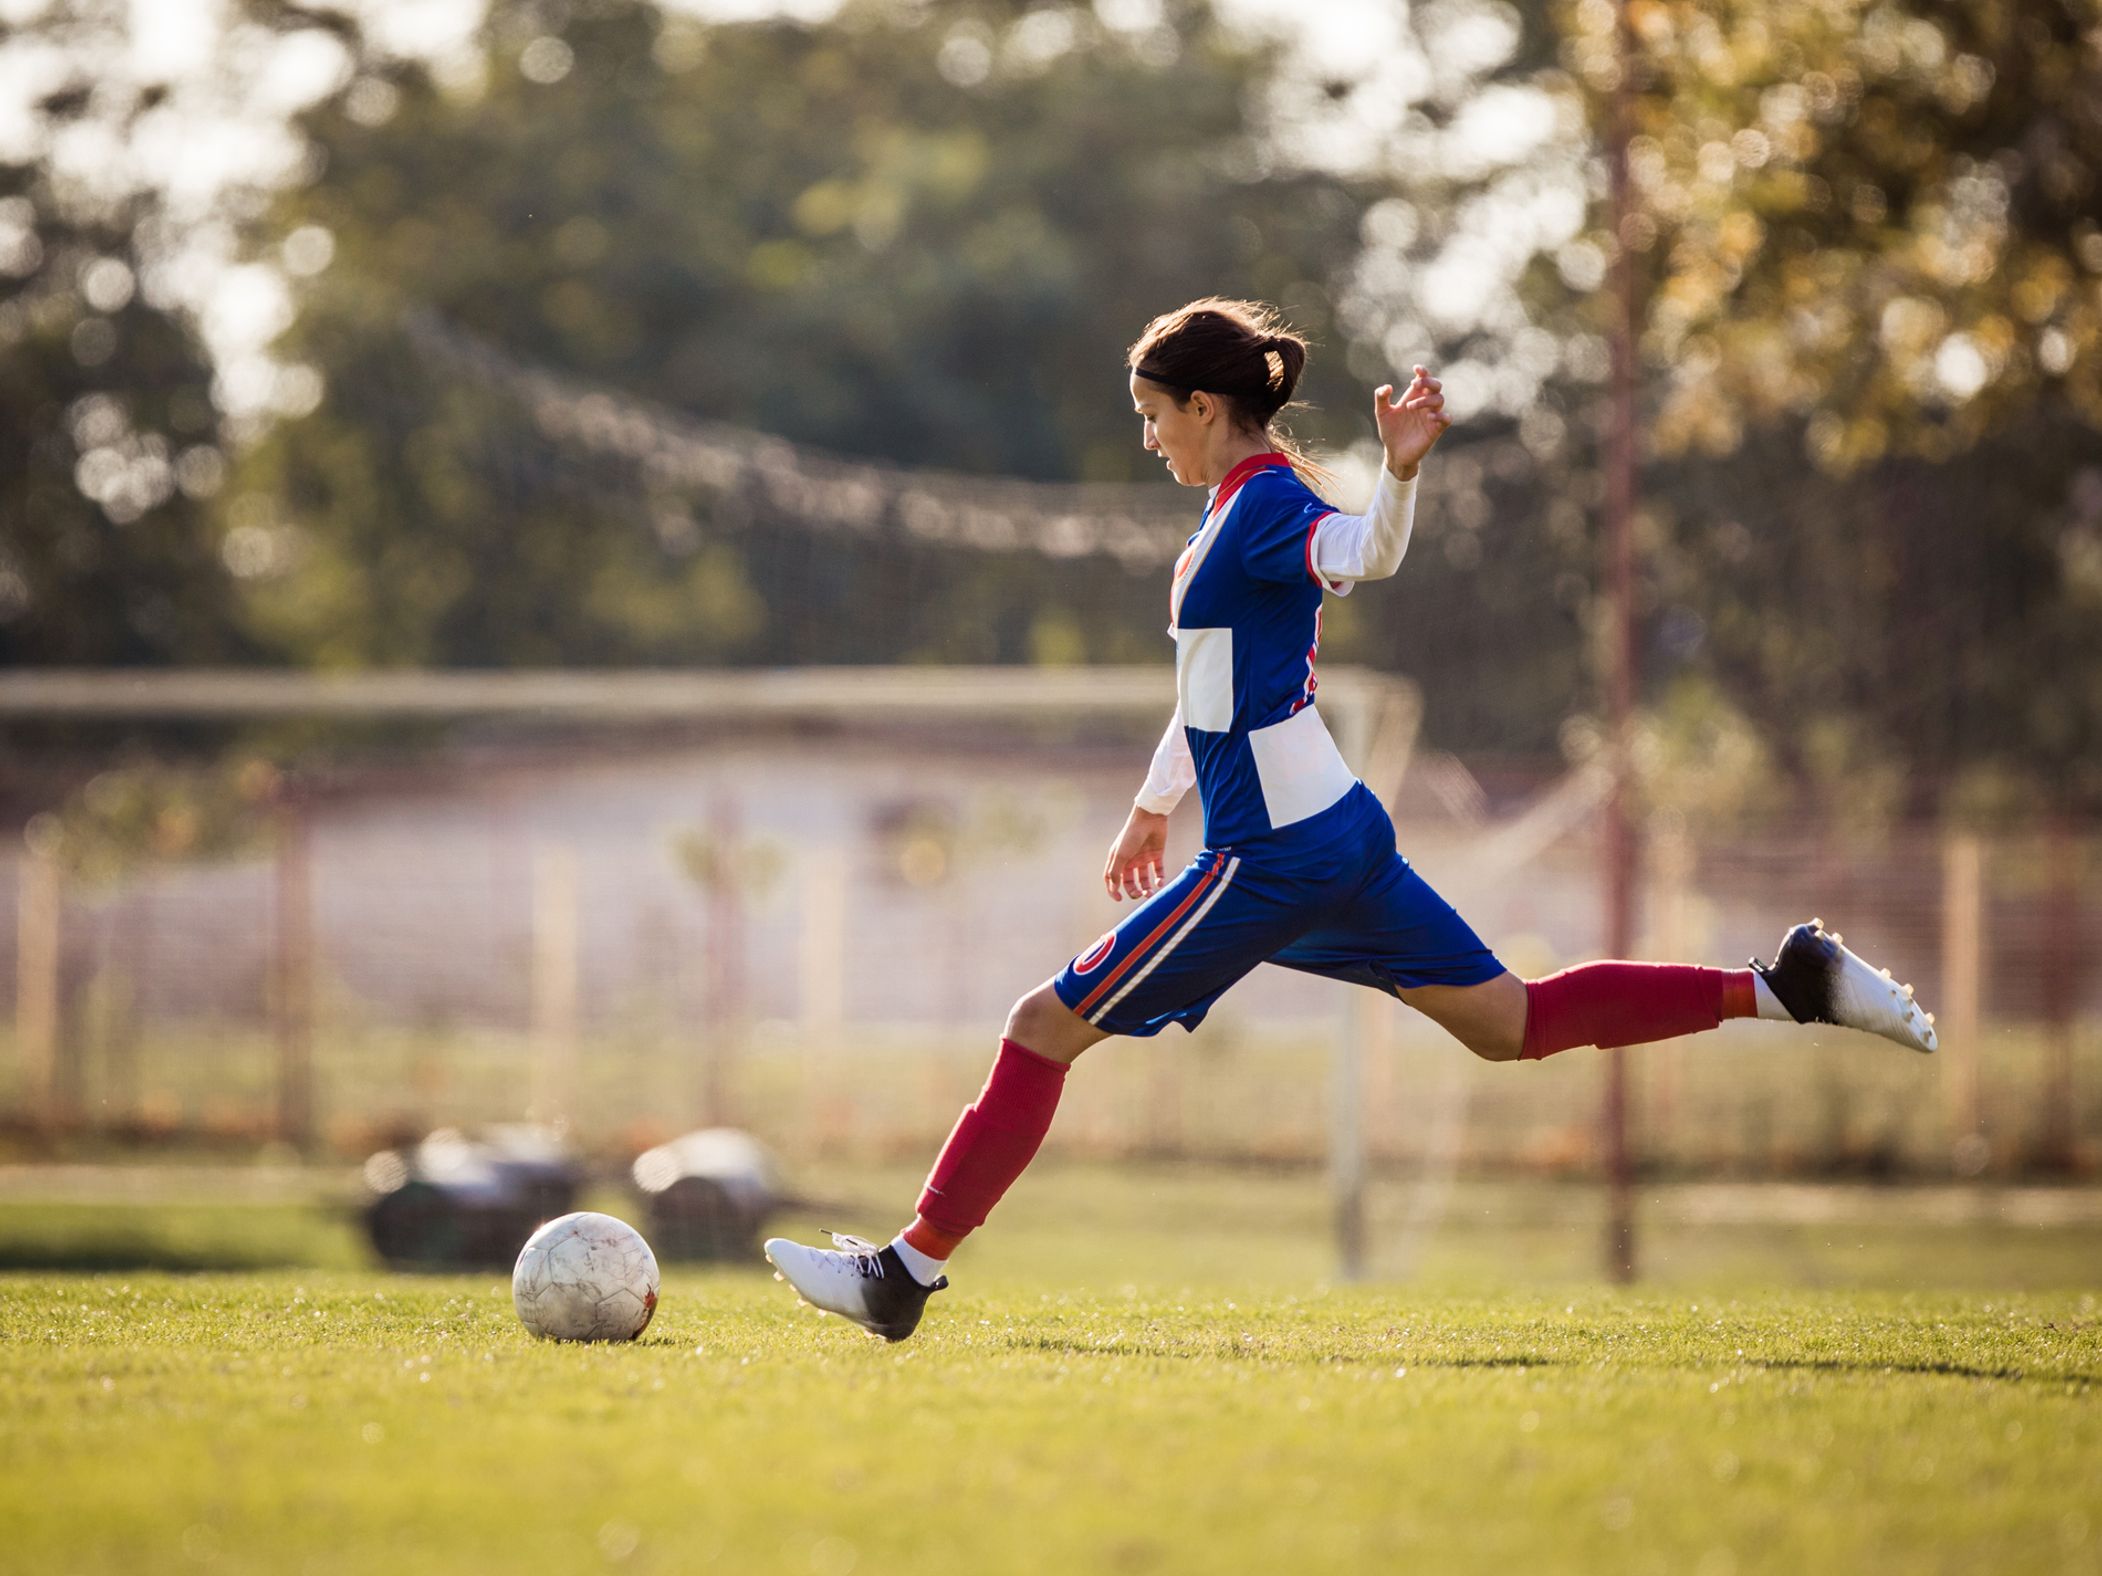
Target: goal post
1374, 717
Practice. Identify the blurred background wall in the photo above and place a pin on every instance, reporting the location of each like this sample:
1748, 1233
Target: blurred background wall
813, 936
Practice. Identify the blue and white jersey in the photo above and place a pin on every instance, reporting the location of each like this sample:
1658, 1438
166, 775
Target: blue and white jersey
1300, 867
1245, 612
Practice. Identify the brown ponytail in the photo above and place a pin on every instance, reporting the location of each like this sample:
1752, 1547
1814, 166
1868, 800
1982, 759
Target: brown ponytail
1243, 352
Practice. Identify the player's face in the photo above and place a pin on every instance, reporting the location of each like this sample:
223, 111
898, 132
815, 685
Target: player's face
1174, 432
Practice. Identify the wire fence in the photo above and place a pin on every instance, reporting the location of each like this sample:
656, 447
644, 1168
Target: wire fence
818, 938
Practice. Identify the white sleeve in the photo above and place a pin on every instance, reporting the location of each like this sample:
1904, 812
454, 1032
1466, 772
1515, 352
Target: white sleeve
1368, 546
1173, 771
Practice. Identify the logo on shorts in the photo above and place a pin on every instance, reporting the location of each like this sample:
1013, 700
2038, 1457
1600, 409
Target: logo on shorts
1091, 959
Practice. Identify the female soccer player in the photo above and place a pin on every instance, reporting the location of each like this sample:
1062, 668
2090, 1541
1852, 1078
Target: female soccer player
1299, 864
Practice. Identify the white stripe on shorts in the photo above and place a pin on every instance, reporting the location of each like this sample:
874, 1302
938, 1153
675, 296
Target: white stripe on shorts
1174, 941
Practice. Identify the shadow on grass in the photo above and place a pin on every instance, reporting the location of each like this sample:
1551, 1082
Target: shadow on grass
1942, 1370
115, 1255
1312, 1356
119, 1253
60, 1237
1053, 1343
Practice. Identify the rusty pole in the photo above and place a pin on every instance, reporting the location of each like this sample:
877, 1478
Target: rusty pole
295, 966
1620, 579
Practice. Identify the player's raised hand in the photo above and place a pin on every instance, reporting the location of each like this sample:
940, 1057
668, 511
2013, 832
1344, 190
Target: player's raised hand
1134, 865
1410, 422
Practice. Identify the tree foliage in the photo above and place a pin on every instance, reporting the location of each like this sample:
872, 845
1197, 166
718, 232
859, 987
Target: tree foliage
922, 234
109, 439
1932, 627
1869, 237
1869, 275
1880, 218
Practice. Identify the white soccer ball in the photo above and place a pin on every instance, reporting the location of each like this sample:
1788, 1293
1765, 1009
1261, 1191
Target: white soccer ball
585, 1277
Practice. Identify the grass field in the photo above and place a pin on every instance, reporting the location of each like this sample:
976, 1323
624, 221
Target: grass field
1138, 1371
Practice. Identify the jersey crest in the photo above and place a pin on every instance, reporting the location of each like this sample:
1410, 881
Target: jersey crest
1092, 959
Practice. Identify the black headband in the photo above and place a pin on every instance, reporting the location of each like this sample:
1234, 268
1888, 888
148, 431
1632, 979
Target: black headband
1165, 381
1162, 378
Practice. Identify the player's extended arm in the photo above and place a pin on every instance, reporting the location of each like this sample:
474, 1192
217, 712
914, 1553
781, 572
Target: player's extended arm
1369, 546
1136, 859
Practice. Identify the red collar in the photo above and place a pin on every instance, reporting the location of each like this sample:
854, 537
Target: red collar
1241, 472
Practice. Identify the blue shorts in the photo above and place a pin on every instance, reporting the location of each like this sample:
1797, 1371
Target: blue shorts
1343, 904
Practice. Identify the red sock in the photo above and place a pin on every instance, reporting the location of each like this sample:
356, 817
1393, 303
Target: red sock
993, 1142
1630, 1004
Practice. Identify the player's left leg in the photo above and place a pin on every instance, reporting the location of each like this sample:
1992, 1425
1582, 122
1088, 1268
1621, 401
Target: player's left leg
1167, 963
999, 1133
885, 1289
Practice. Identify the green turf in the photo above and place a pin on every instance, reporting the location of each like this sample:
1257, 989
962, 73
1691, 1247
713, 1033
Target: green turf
268, 1422
1140, 1371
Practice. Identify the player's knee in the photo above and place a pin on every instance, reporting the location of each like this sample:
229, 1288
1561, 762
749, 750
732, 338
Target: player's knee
1027, 1013
1489, 1019
1498, 1034
1494, 1044
1045, 1025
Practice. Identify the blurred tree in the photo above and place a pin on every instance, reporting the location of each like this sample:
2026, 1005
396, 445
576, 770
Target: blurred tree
108, 436
1904, 631
129, 816
922, 233
1871, 307
1883, 217
1877, 227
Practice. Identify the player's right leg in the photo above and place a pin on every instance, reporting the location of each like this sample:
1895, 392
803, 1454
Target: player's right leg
1166, 963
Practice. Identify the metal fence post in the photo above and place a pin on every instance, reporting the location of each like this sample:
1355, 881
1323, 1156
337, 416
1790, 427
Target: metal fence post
40, 910
294, 1002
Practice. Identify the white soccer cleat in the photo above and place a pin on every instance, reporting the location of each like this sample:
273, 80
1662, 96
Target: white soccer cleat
857, 1281
1819, 981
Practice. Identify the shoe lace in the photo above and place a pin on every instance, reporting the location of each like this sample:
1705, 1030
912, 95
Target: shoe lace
866, 1256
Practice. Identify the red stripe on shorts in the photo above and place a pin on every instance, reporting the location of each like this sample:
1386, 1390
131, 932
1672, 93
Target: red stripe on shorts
1159, 931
